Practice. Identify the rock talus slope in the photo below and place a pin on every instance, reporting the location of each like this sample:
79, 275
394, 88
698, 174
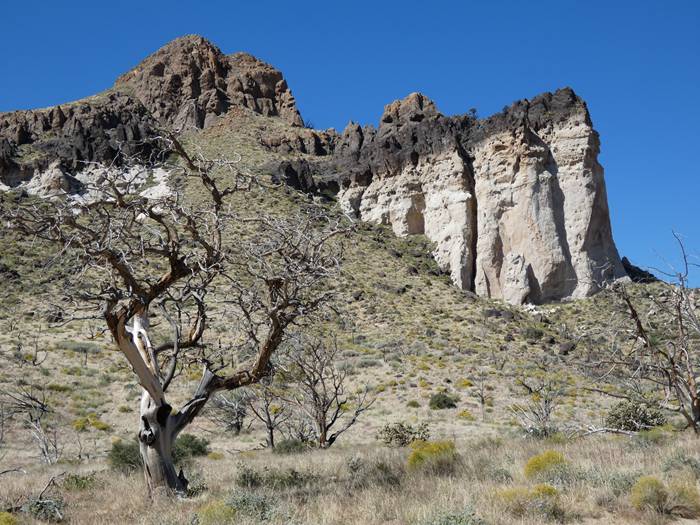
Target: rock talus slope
515, 203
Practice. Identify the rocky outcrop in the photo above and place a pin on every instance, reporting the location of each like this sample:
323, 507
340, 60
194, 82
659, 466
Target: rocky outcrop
516, 203
637, 274
49, 143
187, 83
190, 83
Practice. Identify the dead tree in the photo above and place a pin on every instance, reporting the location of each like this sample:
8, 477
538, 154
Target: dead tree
230, 409
146, 259
535, 414
32, 409
654, 359
482, 392
268, 408
320, 389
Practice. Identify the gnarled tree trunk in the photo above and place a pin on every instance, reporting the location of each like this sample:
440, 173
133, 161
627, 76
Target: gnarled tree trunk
157, 434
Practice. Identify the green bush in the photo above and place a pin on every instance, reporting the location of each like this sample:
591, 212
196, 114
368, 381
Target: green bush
365, 475
248, 477
189, 446
684, 499
680, 461
7, 519
78, 482
403, 434
125, 456
441, 400
290, 446
634, 417
45, 508
252, 504
216, 513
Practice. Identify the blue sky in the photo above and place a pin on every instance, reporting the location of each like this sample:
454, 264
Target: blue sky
636, 63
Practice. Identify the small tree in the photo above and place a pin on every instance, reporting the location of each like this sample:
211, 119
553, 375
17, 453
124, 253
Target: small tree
268, 408
320, 389
144, 257
535, 414
31, 407
230, 410
482, 392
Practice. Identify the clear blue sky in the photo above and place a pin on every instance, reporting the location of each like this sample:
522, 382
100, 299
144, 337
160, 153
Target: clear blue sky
636, 63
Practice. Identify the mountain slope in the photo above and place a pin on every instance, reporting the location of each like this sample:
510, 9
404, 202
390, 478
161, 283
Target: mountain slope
515, 203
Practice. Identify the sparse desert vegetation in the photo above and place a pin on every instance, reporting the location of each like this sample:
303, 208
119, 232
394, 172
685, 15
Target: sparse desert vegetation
235, 350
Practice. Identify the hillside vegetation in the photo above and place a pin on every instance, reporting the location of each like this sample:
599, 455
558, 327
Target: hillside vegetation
407, 335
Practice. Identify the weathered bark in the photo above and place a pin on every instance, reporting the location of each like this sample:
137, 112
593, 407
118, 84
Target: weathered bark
157, 434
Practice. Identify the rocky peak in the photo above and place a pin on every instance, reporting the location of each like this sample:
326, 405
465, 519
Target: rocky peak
190, 83
414, 108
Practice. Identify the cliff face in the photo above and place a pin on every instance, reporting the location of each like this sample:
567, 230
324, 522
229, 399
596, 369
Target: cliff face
515, 203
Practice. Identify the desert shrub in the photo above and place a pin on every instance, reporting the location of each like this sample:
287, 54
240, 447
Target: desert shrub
290, 446
649, 493
189, 446
7, 519
619, 482
125, 456
216, 513
680, 461
465, 517
683, 498
482, 468
413, 404
403, 434
653, 437
442, 400
437, 457
248, 477
91, 420
631, 416
45, 508
532, 333
252, 504
466, 415
545, 463
379, 473
77, 482
197, 485
542, 500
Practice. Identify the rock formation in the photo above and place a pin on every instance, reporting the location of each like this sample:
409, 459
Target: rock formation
68, 137
515, 203
190, 82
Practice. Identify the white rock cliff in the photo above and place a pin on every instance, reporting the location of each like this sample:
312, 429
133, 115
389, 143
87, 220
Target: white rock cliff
515, 204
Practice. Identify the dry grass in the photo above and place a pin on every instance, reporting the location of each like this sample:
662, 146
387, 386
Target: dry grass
344, 486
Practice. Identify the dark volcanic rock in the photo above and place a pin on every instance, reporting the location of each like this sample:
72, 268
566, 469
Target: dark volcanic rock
637, 274
90, 130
